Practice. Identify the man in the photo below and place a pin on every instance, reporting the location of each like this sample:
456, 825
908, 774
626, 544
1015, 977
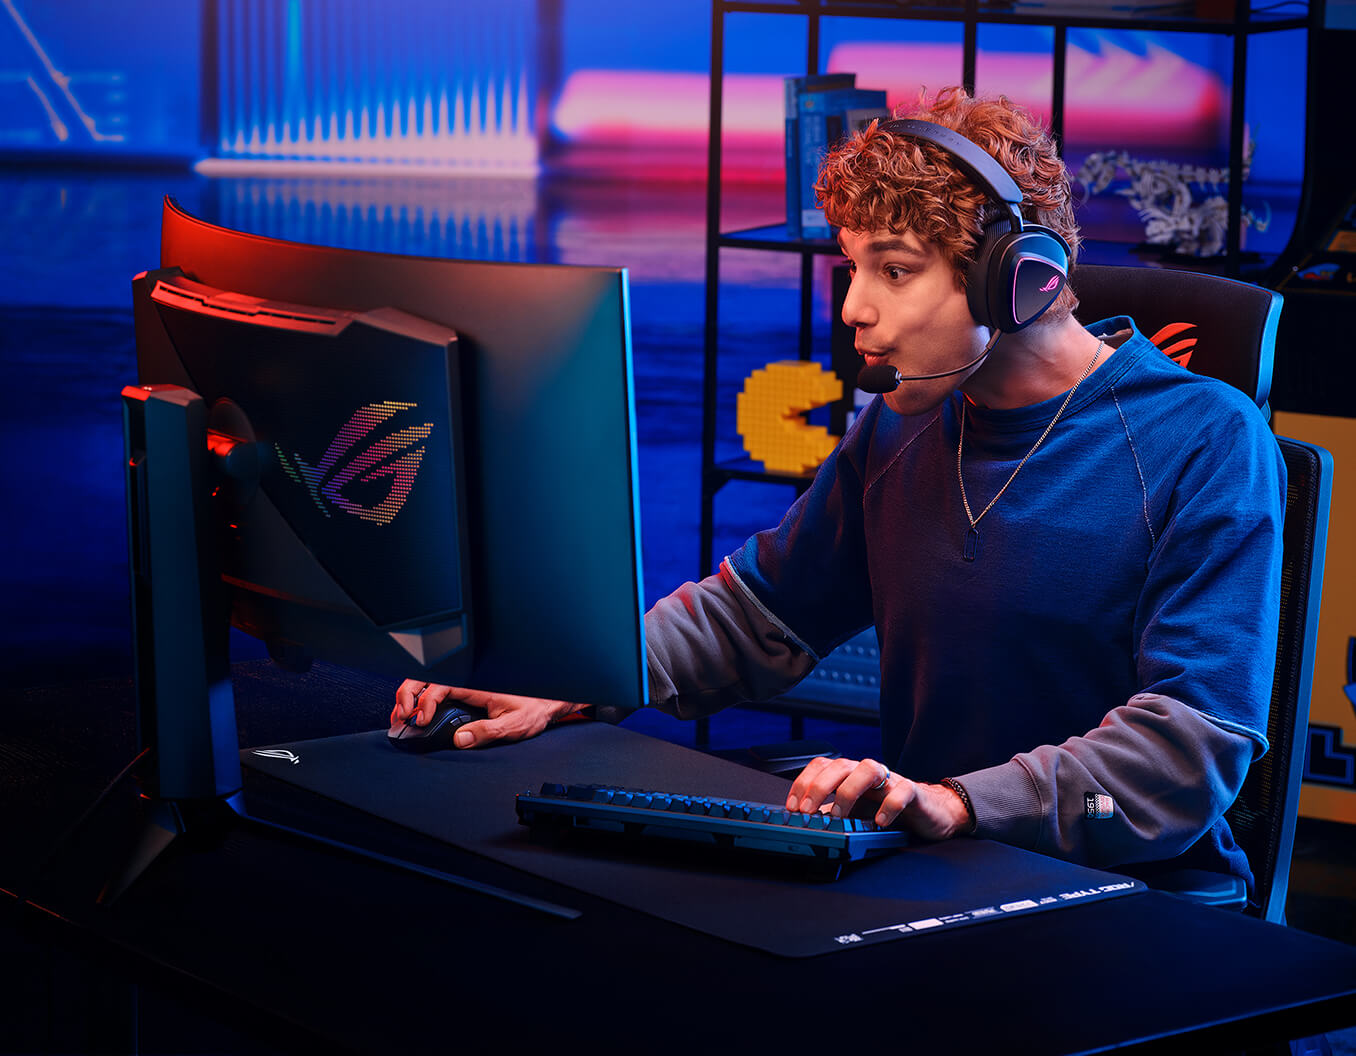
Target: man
1068, 545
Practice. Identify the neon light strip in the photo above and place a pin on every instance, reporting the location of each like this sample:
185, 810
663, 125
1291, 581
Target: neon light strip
351, 85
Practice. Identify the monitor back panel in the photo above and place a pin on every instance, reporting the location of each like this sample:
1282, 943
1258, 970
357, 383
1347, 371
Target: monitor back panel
552, 500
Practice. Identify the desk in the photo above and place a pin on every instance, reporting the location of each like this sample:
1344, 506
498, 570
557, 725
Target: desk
304, 947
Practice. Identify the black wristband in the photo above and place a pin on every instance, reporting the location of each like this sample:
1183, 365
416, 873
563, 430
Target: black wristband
959, 789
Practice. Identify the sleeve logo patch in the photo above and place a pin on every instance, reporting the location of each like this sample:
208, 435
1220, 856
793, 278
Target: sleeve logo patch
1097, 806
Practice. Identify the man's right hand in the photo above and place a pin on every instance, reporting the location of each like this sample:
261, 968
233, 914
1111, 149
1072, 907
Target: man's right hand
509, 718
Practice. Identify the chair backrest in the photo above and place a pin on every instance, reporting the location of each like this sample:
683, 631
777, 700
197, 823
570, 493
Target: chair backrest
1263, 816
1215, 326
1226, 329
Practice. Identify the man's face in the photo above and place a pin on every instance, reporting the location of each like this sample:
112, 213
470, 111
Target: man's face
909, 310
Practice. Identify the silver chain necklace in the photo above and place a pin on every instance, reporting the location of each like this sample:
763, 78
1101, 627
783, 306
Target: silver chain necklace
972, 536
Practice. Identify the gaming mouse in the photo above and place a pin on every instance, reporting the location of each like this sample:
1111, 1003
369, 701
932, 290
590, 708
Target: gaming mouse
448, 717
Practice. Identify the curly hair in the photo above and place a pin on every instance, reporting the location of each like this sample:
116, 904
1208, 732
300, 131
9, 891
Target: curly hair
878, 180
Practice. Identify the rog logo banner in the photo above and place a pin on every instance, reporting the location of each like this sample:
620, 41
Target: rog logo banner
366, 471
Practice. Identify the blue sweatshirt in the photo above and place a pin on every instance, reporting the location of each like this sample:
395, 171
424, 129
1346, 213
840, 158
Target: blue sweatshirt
1098, 674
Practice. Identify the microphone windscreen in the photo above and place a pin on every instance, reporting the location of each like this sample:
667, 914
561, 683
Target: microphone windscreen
878, 378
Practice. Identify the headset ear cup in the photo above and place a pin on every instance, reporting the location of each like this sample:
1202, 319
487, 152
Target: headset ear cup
1024, 273
980, 276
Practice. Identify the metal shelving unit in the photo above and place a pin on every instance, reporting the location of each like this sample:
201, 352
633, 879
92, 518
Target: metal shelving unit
1237, 19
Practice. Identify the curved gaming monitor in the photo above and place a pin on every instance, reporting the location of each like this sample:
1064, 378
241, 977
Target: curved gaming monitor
440, 466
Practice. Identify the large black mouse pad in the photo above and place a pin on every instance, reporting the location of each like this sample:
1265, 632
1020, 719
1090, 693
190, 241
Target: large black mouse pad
466, 798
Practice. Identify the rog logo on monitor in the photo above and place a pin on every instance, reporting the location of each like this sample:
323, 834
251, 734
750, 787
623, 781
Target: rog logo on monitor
363, 473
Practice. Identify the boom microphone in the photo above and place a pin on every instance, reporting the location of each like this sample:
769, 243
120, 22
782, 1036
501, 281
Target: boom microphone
882, 378
879, 378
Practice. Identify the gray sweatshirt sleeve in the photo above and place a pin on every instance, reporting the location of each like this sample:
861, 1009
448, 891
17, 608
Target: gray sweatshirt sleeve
1146, 783
710, 645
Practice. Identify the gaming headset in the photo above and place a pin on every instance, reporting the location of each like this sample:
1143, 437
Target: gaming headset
1019, 267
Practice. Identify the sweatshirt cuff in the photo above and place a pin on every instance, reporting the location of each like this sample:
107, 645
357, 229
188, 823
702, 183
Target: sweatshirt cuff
1007, 804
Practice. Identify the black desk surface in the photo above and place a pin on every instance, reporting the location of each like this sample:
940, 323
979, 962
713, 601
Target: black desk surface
304, 945
467, 799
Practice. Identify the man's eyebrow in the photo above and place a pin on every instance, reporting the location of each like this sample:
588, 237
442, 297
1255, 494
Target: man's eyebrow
885, 245
895, 245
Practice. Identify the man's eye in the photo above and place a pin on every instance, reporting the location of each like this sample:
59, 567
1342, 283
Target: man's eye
894, 273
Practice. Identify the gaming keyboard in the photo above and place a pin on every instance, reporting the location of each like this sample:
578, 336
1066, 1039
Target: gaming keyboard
720, 823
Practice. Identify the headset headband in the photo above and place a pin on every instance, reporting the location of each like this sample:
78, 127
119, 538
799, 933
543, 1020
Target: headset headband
990, 176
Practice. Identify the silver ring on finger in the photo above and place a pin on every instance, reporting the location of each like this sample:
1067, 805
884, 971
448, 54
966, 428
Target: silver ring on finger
883, 781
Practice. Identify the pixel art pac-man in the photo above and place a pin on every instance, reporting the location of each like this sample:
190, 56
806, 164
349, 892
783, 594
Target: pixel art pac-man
769, 415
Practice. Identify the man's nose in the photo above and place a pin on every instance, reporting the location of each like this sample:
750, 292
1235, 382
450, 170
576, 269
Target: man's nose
857, 309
